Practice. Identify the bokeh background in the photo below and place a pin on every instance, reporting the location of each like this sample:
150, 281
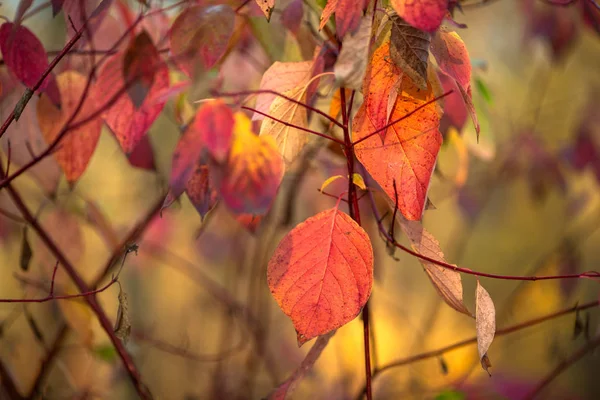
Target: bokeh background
521, 209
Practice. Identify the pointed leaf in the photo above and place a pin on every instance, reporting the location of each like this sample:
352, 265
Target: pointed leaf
25, 56
485, 321
351, 64
200, 35
280, 77
453, 59
408, 153
426, 15
250, 179
200, 190
287, 387
348, 14
77, 145
409, 50
139, 66
289, 140
381, 84
56, 6
447, 282
128, 123
267, 7
327, 12
321, 273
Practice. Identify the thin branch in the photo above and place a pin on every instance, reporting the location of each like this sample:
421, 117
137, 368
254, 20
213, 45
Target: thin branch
295, 126
473, 340
290, 99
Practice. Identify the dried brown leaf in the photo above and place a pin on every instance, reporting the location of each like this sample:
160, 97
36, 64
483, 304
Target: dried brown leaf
409, 50
485, 322
352, 63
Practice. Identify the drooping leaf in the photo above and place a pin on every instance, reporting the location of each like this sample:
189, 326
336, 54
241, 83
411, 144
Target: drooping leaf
266, 7
280, 77
455, 110
447, 282
380, 87
292, 16
321, 273
77, 146
24, 5
200, 35
200, 190
214, 124
351, 64
287, 387
290, 141
89, 12
122, 327
426, 15
453, 59
128, 123
249, 180
56, 6
485, 320
26, 252
140, 63
327, 12
408, 153
25, 56
409, 50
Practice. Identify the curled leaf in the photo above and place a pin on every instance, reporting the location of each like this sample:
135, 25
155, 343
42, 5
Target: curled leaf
321, 273
485, 321
123, 324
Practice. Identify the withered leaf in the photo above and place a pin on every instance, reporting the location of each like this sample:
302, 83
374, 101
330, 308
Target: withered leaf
409, 50
123, 324
485, 322
352, 62
26, 252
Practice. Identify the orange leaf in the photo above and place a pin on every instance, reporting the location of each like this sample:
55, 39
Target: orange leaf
321, 274
453, 59
381, 83
426, 15
128, 123
249, 181
408, 153
77, 146
327, 11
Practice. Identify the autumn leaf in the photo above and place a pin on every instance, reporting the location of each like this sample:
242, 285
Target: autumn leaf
77, 145
266, 7
321, 273
485, 321
453, 59
250, 222
128, 123
381, 86
327, 12
409, 50
448, 283
200, 190
408, 153
292, 16
25, 56
139, 66
351, 64
287, 387
200, 35
142, 155
214, 124
426, 15
348, 14
250, 178
289, 140
56, 6
280, 77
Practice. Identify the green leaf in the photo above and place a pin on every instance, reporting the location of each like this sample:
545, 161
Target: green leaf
106, 353
484, 91
450, 395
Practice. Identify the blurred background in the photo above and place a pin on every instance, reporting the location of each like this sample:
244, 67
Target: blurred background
522, 201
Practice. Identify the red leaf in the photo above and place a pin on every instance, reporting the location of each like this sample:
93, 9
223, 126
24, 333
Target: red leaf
347, 16
453, 59
93, 13
200, 35
25, 56
139, 66
57, 5
321, 274
78, 145
455, 111
249, 181
128, 123
142, 155
249, 221
426, 15
214, 124
200, 190
408, 153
